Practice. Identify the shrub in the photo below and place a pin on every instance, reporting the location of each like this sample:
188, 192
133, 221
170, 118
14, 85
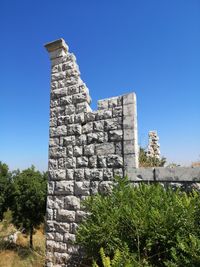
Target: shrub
157, 225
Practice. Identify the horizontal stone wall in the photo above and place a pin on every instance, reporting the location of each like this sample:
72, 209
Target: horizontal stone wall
86, 150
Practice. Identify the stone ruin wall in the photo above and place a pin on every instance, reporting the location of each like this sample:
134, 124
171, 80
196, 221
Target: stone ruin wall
86, 150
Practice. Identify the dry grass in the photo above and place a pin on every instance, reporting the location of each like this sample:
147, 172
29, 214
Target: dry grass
19, 254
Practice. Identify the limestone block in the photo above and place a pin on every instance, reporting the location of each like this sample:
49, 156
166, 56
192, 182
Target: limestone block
69, 174
69, 238
73, 89
57, 152
55, 202
61, 227
50, 188
179, 174
64, 187
90, 116
117, 112
82, 188
69, 150
96, 137
114, 161
61, 163
69, 140
142, 174
74, 129
92, 162
49, 214
113, 124
50, 236
70, 162
94, 187
72, 203
98, 126
130, 164
78, 151
102, 104
61, 259
101, 161
56, 68
57, 174
118, 148
65, 100
94, 174
129, 99
115, 135
73, 80
79, 174
54, 103
105, 149
89, 150
129, 134
69, 119
83, 107
58, 131
58, 93
72, 72
66, 215
69, 109
79, 118
81, 140
53, 123
53, 164
57, 76
105, 187
58, 237
88, 127
113, 102
81, 97
54, 85
107, 174
104, 114
129, 146
82, 162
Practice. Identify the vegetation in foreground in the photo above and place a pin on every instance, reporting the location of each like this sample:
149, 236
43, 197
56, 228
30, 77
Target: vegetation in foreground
147, 224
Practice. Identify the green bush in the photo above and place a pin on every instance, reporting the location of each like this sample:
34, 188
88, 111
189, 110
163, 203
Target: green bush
159, 226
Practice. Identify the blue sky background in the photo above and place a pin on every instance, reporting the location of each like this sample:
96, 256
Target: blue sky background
150, 47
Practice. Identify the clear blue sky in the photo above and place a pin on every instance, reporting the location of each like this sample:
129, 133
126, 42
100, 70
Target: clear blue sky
150, 47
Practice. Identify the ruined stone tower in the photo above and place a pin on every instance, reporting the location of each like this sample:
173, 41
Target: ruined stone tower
153, 149
86, 150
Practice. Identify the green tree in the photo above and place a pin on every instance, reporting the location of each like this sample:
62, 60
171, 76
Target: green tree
29, 204
6, 189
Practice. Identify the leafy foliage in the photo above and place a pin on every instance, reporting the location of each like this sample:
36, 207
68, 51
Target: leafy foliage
159, 226
29, 204
6, 189
147, 161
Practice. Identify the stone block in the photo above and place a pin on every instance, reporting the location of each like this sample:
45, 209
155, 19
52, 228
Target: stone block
96, 137
107, 174
81, 97
53, 164
105, 149
89, 150
141, 174
50, 188
79, 118
105, 187
118, 172
70, 162
94, 174
178, 174
79, 174
113, 102
69, 140
101, 161
92, 162
69, 119
113, 124
74, 129
69, 238
118, 148
81, 162
69, 174
65, 100
103, 114
78, 151
88, 127
114, 161
69, 150
90, 116
98, 126
64, 187
73, 89
66, 215
117, 112
129, 146
58, 131
81, 140
57, 174
115, 135
69, 109
82, 188
73, 228
129, 99
83, 107
72, 203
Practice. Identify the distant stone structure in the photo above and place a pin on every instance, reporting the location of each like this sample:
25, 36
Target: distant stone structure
153, 149
86, 150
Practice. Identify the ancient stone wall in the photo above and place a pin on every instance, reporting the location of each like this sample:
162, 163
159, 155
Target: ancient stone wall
86, 150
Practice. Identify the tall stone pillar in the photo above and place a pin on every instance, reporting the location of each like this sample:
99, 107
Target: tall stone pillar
153, 149
86, 150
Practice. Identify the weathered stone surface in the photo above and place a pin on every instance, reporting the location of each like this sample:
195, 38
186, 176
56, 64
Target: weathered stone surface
98, 126
64, 187
66, 215
82, 162
115, 135
89, 150
79, 174
114, 161
82, 188
93, 174
105, 149
57, 174
105, 187
72, 203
